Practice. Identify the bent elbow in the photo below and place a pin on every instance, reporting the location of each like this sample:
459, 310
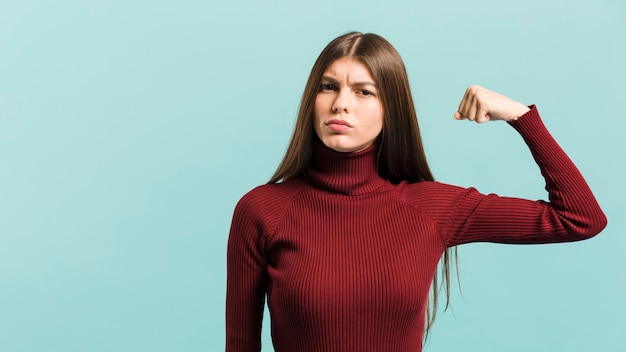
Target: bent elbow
592, 224
599, 223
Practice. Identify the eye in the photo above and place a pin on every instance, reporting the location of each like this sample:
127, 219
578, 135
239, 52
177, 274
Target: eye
327, 87
366, 92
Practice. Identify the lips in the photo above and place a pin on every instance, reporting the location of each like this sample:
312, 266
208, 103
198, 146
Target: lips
337, 125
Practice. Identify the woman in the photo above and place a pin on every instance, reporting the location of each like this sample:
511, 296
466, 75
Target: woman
346, 237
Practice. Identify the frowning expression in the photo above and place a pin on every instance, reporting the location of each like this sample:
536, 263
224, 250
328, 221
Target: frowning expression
348, 110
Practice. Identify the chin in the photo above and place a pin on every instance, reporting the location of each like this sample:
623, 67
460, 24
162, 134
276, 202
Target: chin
345, 147
338, 147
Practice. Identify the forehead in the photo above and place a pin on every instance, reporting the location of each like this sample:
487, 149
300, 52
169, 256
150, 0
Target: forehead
348, 68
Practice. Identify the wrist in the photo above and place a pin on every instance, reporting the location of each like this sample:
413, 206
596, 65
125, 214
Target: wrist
520, 111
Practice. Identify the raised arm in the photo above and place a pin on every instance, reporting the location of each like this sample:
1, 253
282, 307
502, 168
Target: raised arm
572, 212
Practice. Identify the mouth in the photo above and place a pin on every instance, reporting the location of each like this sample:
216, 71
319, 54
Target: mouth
337, 122
337, 125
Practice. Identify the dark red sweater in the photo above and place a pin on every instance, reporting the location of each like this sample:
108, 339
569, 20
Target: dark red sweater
346, 258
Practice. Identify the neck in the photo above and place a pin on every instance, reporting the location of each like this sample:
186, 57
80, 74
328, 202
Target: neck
345, 173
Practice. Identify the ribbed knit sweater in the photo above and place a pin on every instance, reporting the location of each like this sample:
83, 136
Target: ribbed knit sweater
346, 258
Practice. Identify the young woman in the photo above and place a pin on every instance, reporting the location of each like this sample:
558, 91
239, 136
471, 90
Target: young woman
345, 239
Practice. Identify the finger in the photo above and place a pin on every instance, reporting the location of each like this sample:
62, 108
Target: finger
481, 106
470, 109
479, 109
481, 115
485, 108
462, 106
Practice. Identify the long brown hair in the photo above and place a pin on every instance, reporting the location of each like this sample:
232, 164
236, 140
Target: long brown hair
401, 153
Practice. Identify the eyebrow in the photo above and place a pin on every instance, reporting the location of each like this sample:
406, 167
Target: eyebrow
357, 83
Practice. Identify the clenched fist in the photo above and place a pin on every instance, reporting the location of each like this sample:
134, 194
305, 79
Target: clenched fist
482, 105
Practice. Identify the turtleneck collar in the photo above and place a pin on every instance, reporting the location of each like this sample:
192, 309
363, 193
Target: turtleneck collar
344, 173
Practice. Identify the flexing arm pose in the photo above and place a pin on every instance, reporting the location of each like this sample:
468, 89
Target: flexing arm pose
571, 214
345, 239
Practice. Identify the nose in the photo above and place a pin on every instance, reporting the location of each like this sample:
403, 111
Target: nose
342, 102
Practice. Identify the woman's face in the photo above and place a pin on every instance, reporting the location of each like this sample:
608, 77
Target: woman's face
348, 111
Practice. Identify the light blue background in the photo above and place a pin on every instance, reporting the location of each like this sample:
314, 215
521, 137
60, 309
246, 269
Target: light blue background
129, 130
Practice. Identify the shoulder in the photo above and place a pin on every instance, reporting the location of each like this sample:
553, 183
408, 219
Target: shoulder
425, 192
271, 194
264, 203
436, 198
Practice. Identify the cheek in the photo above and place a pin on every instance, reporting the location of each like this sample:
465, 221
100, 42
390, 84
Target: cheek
376, 124
376, 128
320, 105
316, 107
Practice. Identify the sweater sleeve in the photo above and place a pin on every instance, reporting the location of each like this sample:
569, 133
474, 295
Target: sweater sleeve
246, 278
571, 214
